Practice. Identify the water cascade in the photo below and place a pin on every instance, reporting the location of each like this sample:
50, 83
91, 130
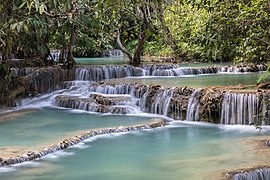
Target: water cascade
209, 105
113, 53
193, 106
240, 108
99, 103
258, 174
97, 73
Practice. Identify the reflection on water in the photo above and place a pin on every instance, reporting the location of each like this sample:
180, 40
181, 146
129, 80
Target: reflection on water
180, 152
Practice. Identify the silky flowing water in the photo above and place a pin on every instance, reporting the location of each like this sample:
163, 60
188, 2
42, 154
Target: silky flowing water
182, 150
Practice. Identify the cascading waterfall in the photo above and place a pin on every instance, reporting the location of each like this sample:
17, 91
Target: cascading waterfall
97, 73
258, 174
113, 53
193, 106
99, 103
179, 103
239, 108
116, 53
162, 101
241, 69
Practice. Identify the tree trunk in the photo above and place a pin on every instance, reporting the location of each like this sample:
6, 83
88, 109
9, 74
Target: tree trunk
136, 61
70, 58
122, 47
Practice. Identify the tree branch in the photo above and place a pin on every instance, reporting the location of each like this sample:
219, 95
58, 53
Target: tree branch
122, 47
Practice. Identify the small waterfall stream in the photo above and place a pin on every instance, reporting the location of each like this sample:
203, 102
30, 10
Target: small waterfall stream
239, 108
258, 174
193, 106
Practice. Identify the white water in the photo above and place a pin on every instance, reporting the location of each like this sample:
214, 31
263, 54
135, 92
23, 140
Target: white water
239, 108
193, 106
97, 73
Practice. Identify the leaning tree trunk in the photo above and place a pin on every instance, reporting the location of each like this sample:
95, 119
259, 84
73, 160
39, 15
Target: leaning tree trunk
134, 60
122, 47
70, 58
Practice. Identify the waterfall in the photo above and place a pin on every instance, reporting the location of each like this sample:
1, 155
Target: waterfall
241, 69
162, 102
150, 99
116, 53
193, 106
178, 103
239, 108
258, 174
99, 103
113, 53
97, 73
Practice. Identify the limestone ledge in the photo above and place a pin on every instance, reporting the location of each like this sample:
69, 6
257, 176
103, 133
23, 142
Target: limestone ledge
32, 155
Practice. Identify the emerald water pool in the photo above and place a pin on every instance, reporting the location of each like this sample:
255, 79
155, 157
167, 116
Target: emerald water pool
49, 125
179, 151
196, 81
101, 61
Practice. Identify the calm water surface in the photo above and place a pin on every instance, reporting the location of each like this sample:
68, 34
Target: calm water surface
196, 81
181, 151
101, 61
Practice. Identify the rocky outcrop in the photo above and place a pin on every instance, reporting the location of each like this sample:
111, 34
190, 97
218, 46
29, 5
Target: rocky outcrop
211, 105
31, 155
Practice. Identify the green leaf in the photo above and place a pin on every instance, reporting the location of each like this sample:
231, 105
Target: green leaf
25, 28
13, 26
22, 5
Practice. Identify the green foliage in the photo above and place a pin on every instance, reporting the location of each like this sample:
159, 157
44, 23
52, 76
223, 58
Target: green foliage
209, 30
265, 77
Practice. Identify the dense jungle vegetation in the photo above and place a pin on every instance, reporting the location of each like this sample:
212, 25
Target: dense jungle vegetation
186, 30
